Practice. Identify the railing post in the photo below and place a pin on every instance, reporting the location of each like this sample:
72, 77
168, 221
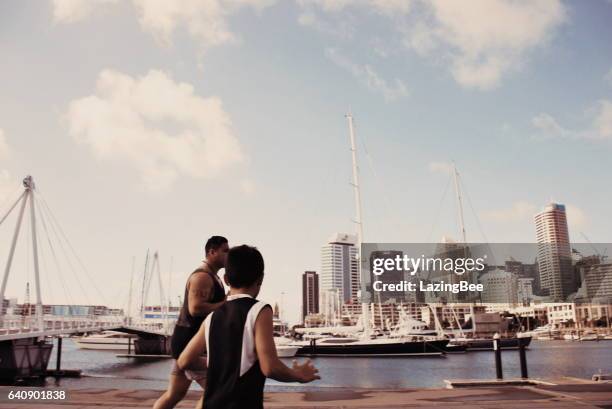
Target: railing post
498, 361
523, 358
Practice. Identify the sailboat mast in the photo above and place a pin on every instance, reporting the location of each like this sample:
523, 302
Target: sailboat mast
459, 204
358, 220
356, 186
129, 304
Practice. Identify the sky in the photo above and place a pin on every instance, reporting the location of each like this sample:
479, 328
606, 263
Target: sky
154, 125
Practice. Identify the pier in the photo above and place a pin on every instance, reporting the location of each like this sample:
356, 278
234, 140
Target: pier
562, 393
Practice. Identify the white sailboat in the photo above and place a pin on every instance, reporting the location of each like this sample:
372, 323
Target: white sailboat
365, 343
106, 340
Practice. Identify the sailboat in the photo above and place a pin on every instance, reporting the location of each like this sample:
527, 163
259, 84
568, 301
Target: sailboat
365, 343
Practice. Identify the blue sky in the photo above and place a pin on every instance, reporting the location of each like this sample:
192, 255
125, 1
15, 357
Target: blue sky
151, 126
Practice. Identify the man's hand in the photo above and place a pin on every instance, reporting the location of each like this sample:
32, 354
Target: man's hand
306, 371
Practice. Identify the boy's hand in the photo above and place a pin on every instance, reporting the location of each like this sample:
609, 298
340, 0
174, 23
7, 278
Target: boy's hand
306, 372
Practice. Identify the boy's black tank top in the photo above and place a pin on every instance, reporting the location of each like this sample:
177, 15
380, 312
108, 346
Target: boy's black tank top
225, 387
187, 325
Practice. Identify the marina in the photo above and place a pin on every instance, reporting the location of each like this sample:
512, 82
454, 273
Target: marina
545, 359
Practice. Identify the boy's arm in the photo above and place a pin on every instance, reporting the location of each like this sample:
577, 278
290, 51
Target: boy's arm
271, 366
200, 292
194, 350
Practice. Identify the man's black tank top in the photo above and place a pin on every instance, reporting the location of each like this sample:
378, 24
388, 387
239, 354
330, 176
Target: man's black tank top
226, 329
187, 325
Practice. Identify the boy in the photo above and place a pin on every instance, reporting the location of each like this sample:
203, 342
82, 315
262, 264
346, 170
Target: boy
238, 339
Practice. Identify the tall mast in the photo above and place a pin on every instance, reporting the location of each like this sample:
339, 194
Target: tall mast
129, 304
356, 186
358, 220
459, 204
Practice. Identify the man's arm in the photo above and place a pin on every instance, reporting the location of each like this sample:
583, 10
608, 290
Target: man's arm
200, 292
194, 350
271, 366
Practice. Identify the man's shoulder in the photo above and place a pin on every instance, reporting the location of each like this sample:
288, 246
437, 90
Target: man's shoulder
200, 277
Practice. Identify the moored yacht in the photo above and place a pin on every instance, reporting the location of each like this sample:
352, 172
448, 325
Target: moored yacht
106, 340
380, 346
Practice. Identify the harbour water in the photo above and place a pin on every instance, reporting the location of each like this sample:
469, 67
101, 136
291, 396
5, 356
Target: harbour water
546, 359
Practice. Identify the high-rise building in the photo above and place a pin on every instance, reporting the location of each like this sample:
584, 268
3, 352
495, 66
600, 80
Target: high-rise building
499, 287
310, 293
340, 267
525, 290
598, 283
554, 254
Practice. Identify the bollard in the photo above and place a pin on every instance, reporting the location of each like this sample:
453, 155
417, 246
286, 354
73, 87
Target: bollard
523, 358
498, 361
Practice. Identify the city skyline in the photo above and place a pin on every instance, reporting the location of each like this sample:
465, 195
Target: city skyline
250, 139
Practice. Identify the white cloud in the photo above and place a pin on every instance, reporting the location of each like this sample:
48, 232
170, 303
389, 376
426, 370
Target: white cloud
485, 39
386, 7
70, 11
159, 126
481, 41
576, 218
549, 125
600, 127
205, 20
340, 29
520, 211
440, 167
369, 77
602, 124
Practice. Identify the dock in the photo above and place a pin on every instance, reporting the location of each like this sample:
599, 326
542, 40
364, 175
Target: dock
568, 393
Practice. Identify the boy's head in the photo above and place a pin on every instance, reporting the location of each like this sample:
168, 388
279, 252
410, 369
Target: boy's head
244, 267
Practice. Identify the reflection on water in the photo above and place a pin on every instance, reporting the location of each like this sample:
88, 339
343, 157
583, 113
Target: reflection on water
545, 359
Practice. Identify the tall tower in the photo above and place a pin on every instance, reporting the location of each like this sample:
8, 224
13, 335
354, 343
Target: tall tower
310, 293
554, 253
340, 267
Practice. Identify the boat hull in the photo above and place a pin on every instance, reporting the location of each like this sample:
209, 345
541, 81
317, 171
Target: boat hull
111, 344
487, 344
407, 348
286, 351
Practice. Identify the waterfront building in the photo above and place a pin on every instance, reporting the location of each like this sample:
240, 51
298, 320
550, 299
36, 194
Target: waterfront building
587, 314
310, 293
525, 290
340, 268
554, 254
561, 314
499, 287
597, 281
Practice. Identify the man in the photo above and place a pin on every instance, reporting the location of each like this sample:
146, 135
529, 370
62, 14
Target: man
239, 341
204, 293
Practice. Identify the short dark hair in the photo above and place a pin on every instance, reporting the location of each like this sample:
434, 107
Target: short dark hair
214, 243
244, 266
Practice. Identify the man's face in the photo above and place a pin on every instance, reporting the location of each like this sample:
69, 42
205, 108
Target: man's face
218, 256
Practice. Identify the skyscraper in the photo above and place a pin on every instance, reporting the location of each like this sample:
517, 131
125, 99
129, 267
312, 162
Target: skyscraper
340, 267
554, 254
310, 293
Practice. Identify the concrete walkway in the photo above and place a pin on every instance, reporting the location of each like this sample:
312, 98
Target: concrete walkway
568, 395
